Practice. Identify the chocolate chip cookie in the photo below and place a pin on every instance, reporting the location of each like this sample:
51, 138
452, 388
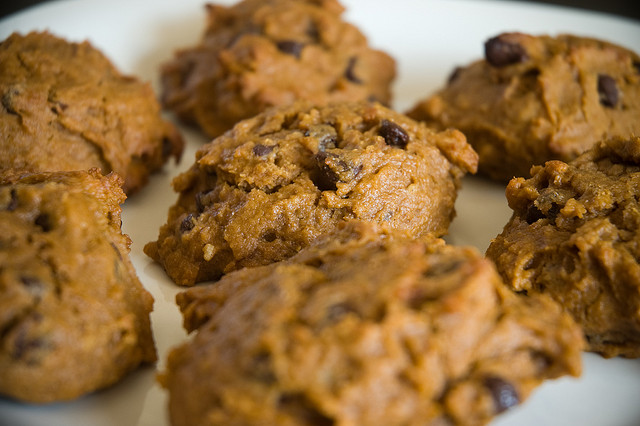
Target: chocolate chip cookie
64, 106
261, 53
538, 98
272, 185
73, 316
575, 235
365, 327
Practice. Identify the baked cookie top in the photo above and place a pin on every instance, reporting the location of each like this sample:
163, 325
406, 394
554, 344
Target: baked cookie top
261, 53
272, 185
365, 327
73, 316
64, 106
575, 235
538, 98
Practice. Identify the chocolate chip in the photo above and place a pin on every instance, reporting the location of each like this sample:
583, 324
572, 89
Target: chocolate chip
534, 214
393, 134
290, 47
261, 150
608, 90
261, 367
636, 65
500, 53
349, 73
504, 394
33, 285
187, 223
200, 200
44, 221
167, 147
23, 345
324, 177
454, 75
13, 202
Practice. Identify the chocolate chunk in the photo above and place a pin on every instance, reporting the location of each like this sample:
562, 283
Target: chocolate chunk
290, 47
393, 134
636, 65
500, 53
167, 147
262, 150
349, 73
187, 223
324, 177
504, 394
454, 75
608, 90
44, 221
269, 236
23, 345
200, 200
534, 214
13, 202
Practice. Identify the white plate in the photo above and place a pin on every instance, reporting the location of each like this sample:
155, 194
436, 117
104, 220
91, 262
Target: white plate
427, 38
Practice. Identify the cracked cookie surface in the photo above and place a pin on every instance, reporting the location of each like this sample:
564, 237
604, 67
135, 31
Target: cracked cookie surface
575, 235
365, 327
273, 184
64, 106
73, 316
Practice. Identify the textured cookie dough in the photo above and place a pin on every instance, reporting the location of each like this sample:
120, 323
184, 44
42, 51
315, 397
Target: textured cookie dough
261, 53
73, 316
538, 98
272, 185
575, 235
64, 106
364, 329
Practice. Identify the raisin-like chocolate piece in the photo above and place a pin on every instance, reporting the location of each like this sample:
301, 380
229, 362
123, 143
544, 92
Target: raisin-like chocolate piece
534, 214
454, 75
393, 134
262, 150
504, 394
349, 73
187, 223
500, 53
44, 221
325, 177
290, 47
608, 90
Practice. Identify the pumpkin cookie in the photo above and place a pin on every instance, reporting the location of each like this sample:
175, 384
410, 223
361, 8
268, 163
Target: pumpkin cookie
272, 185
538, 98
64, 106
73, 316
365, 328
257, 54
575, 235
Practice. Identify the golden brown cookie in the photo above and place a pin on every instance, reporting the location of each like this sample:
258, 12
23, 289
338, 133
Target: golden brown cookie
365, 329
64, 106
73, 316
261, 53
575, 235
272, 185
538, 98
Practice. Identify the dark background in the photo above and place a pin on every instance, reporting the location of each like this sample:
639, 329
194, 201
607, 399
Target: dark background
627, 8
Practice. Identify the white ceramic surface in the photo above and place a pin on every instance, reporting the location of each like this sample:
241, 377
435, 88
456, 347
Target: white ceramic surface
428, 38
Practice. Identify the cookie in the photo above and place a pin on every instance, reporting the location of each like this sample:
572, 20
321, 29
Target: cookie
262, 53
538, 98
73, 316
64, 106
365, 328
272, 185
575, 235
